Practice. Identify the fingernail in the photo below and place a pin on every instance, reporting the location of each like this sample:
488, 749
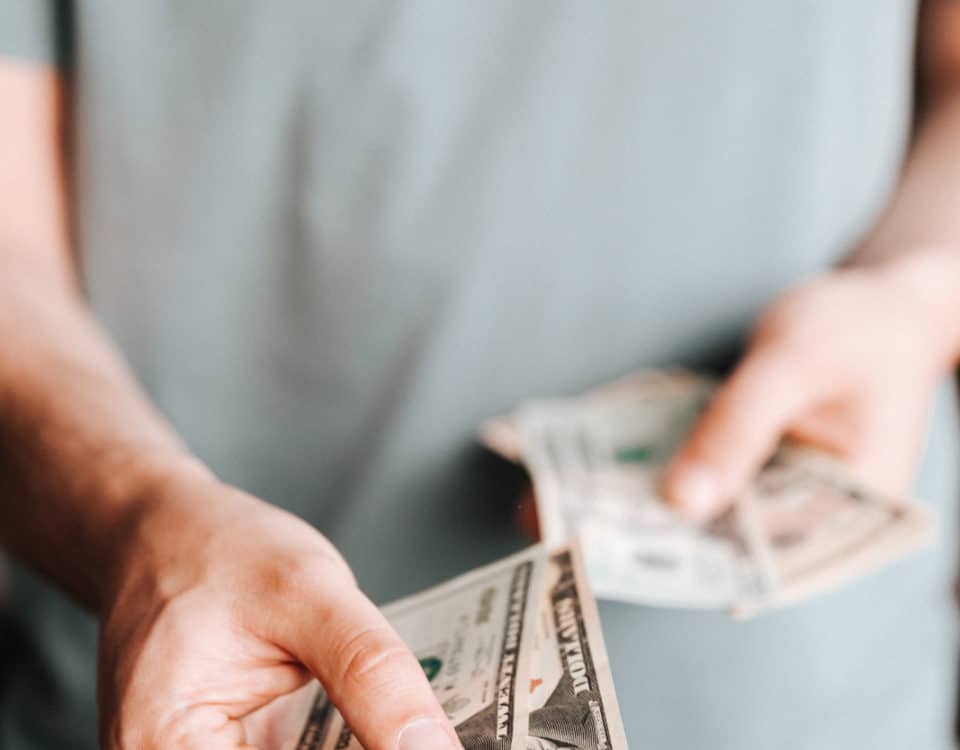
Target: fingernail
697, 491
425, 734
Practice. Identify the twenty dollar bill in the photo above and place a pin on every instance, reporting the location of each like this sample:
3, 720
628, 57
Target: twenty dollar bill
514, 654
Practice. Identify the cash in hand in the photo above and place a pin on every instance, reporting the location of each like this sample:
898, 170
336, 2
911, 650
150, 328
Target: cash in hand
804, 525
514, 654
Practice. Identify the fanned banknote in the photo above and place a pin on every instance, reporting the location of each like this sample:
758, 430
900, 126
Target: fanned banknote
477, 639
802, 526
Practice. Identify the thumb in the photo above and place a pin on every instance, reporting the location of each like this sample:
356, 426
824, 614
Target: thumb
736, 434
368, 673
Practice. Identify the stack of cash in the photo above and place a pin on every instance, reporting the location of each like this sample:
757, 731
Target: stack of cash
514, 653
802, 526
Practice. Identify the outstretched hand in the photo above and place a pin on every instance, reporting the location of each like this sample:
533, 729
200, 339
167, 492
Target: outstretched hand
226, 605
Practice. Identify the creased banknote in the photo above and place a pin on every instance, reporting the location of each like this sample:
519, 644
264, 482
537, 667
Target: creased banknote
515, 657
802, 526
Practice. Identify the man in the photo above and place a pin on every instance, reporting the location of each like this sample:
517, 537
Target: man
327, 239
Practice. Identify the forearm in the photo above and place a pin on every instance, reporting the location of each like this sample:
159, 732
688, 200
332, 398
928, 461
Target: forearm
925, 210
81, 449
916, 243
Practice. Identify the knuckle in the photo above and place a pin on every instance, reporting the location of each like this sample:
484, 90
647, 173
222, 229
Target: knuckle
373, 655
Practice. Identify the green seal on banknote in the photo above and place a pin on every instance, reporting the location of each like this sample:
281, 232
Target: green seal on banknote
431, 666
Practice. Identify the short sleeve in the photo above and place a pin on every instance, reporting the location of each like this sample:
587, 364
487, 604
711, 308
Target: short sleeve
35, 30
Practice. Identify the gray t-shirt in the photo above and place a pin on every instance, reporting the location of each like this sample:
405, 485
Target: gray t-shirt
331, 237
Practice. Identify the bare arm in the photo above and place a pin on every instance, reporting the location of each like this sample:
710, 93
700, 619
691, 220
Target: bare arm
919, 234
80, 446
214, 604
925, 211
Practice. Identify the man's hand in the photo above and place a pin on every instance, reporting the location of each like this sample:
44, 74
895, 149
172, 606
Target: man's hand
226, 604
847, 363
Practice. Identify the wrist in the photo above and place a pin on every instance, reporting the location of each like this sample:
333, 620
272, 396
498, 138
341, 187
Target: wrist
150, 522
925, 285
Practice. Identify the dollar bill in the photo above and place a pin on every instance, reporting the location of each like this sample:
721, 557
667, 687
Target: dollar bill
474, 641
572, 699
819, 528
502, 434
514, 653
596, 466
803, 526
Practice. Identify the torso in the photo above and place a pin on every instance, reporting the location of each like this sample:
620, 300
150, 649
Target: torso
332, 238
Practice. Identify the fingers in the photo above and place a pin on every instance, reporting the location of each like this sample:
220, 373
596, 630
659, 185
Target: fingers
737, 433
368, 672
